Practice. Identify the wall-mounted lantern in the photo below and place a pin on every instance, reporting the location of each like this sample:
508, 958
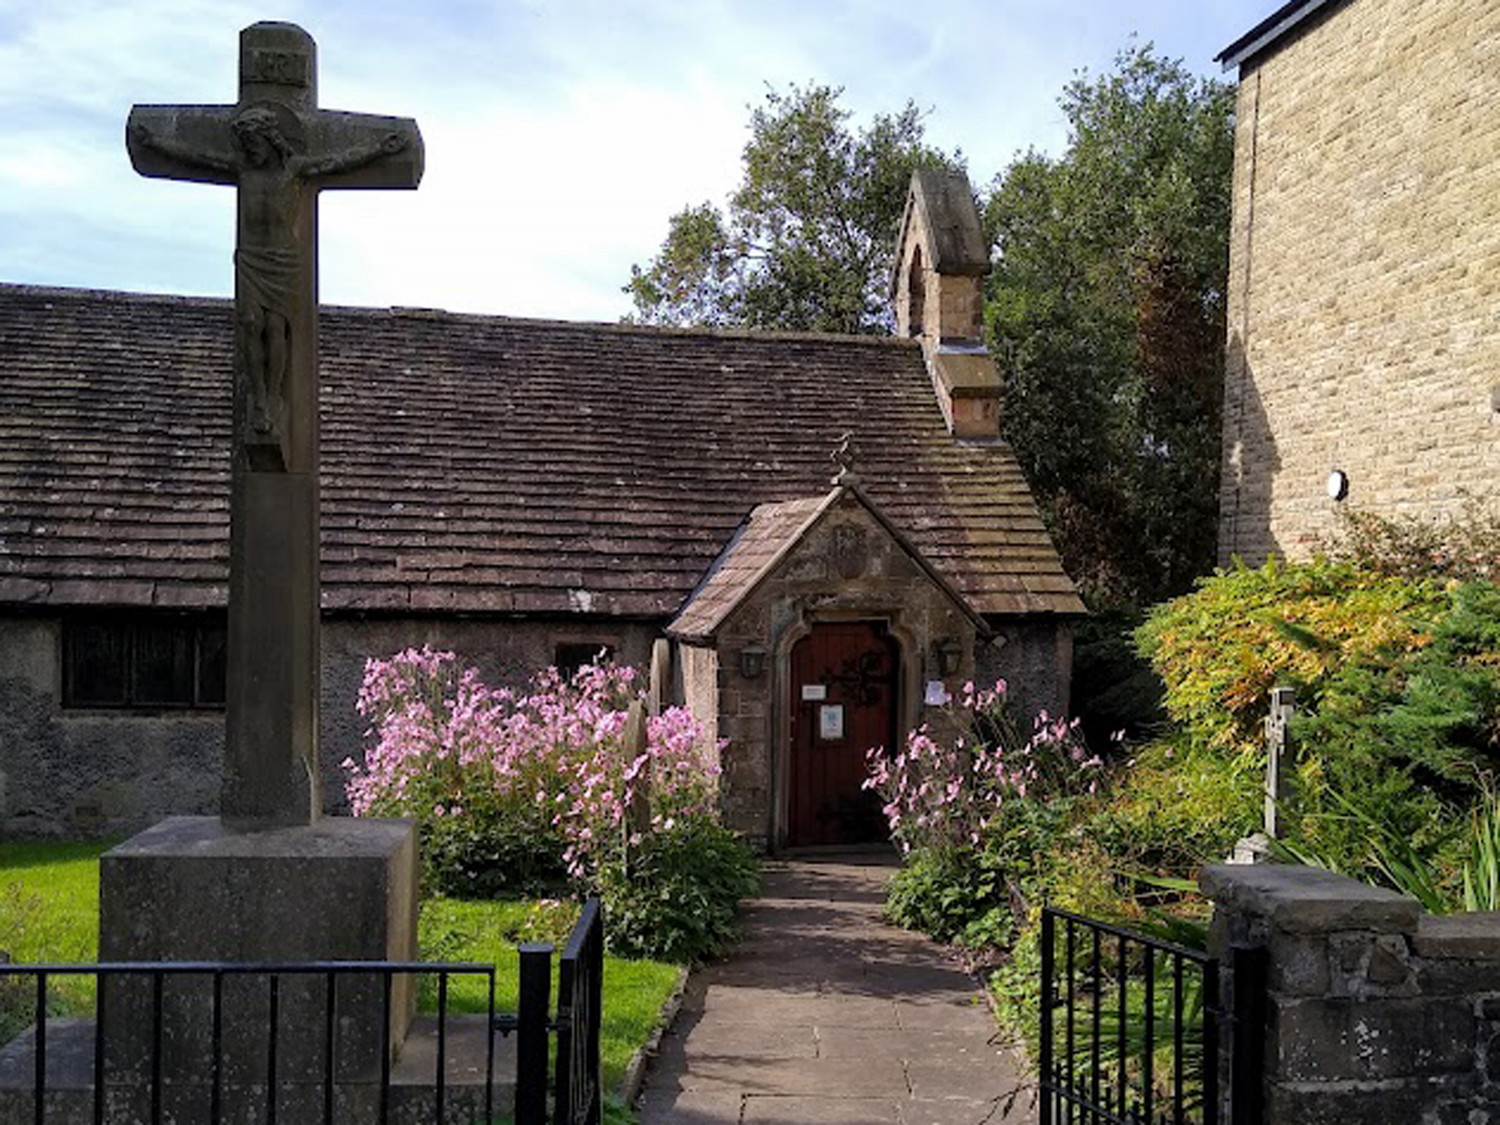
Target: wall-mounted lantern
752, 662
947, 654
1338, 485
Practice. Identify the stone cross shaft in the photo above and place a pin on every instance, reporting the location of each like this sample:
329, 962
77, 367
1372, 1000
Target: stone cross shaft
279, 149
1278, 756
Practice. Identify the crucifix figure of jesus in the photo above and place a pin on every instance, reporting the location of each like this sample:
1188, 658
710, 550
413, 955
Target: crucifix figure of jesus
279, 150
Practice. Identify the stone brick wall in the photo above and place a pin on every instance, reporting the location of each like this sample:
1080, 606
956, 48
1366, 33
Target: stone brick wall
1035, 659
1376, 1011
948, 306
946, 312
65, 772
700, 694
1364, 272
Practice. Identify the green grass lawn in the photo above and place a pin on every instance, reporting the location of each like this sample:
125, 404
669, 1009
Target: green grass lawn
49, 912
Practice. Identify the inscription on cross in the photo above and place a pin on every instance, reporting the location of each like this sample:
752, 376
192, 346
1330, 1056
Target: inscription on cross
280, 150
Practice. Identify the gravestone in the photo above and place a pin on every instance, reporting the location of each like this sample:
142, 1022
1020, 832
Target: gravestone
268, 880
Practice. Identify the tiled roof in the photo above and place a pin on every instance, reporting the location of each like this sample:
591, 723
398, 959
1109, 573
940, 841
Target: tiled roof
753, 552
476, 463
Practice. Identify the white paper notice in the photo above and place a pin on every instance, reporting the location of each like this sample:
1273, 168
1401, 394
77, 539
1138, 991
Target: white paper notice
831, 721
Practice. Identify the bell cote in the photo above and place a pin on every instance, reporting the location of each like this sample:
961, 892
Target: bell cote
938, 291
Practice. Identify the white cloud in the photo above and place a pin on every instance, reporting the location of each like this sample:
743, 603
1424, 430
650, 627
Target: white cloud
560, 135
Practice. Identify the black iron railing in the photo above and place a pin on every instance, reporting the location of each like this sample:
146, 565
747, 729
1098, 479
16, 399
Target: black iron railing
219, 1041
580, 1009
172, 1038
1129, 1027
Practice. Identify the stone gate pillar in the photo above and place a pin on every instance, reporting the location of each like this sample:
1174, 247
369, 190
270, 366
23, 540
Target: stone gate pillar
1374, 1010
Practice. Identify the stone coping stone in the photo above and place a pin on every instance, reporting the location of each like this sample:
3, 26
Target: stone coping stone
1450, 937
1308, 900
325, 838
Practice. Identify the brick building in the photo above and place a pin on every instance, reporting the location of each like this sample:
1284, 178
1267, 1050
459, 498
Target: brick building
1363, 359
525, 492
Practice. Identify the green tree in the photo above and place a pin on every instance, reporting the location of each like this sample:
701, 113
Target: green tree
809, 235
1106, 315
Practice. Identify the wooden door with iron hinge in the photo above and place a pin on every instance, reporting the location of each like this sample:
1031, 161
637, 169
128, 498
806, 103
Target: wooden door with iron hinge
844, 700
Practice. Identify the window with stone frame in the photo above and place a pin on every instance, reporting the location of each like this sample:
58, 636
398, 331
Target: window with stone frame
569, 656
154, 662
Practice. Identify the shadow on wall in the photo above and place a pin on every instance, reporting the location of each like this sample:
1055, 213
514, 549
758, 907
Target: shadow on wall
1251, 462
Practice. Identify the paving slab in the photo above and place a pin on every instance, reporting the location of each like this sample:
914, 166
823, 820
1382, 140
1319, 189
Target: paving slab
824, 1013
781, 1110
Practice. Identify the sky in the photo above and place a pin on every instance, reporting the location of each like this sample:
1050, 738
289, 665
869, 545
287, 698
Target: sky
560, 135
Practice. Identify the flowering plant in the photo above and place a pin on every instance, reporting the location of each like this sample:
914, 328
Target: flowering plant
548, 766
944, 791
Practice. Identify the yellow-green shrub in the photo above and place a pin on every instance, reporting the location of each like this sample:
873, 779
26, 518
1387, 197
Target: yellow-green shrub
1221, 649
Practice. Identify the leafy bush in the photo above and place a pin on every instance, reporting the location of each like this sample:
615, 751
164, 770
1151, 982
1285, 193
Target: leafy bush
1453, 868
1221, 649
674, 897
975, 811
1174, 806
953, 896
1400, 742
494, 853
524, 793
1398, 685
1464, 547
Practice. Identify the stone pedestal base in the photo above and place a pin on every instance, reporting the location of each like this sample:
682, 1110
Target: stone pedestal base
191, 889
410, 1098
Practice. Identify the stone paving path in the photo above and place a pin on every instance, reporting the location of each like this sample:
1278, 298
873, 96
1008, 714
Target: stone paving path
825, 1014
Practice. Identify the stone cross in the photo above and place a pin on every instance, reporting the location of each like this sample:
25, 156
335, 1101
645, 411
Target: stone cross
1278, 755
279, 149
844, 457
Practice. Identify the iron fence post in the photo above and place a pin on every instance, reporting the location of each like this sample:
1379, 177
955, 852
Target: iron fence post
531, 1033
1046, 1030
1247, 1059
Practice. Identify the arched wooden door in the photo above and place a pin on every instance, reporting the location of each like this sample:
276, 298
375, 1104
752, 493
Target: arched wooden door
844, 700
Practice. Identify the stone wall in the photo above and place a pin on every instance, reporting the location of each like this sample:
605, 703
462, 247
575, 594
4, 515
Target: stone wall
934, 306
84, 772
1034, 657
700, 694
87, 772
946, 312
1375, 1010
1364, 273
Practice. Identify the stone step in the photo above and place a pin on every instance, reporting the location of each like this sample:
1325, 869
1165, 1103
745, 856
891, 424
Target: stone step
69, 1097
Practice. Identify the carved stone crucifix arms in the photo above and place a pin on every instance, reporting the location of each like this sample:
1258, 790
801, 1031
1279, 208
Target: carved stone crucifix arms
279, 149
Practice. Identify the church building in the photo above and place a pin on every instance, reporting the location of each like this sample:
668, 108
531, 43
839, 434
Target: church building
814, 539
